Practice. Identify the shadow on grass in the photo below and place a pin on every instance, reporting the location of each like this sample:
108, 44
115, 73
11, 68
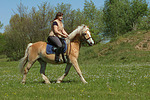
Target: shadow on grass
52, 82
66, 81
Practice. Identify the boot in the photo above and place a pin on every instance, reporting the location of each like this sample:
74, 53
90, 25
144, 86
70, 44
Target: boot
57, 53
62, 50
64, 58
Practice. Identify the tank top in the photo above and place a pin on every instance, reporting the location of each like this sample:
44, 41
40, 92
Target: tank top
60, 28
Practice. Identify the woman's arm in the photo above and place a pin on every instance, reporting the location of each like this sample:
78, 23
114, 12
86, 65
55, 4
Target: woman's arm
64, 32
58, 32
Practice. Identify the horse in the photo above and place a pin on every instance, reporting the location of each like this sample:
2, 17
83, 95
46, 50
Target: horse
37, 52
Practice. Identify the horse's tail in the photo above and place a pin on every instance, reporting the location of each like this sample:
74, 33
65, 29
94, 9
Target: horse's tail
24, 60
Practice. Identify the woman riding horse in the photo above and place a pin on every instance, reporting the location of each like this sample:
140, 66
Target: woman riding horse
57, 33
37, 52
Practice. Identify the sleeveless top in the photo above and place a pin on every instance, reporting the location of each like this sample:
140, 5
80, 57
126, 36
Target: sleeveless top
60, 28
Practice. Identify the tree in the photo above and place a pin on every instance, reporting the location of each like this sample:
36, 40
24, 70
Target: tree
144, 22
15, 37
121, 16
77, 18
2, 43
92, 17
40, 22
139, 9
1, 25
27, 27
2, 40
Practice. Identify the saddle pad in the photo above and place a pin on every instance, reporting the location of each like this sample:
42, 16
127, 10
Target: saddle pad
49, 48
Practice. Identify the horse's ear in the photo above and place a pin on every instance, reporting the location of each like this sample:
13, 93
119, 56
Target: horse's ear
83, 33
83, 25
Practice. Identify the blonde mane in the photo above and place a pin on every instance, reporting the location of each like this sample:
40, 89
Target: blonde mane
78, 30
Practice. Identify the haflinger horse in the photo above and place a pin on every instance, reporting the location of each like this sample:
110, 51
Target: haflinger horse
37, 51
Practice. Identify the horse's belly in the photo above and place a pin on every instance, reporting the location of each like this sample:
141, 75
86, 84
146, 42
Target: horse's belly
48, 58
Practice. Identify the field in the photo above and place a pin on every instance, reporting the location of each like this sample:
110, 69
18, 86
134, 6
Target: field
105, 82
114, 71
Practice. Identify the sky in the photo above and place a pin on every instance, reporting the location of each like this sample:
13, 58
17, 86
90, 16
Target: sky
8, 7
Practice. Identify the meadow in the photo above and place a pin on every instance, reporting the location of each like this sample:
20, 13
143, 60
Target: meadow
105, 82
114, 71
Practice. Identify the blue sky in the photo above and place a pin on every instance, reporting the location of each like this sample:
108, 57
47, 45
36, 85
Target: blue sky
8, 7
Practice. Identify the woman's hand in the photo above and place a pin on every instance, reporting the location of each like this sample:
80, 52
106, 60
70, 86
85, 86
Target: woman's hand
65, 35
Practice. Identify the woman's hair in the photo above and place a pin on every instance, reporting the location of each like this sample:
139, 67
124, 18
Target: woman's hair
58, 15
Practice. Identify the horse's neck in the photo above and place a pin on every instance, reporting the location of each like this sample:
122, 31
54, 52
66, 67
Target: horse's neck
73, 42
76, 39
74, 47
75, 33
74, 36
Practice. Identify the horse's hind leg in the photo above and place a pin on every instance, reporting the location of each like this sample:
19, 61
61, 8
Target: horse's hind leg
26, 70
68, 66
42, 71
32, 57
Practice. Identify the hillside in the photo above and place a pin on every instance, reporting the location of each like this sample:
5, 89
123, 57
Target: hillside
132, 47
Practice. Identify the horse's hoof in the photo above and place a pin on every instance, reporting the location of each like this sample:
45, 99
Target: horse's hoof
85, 82
23, 82
58, 81
47, 82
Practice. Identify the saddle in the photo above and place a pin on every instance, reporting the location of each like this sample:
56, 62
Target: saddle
51, 48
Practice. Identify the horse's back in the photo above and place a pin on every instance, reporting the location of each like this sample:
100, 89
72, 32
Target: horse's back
38, 47
40, 43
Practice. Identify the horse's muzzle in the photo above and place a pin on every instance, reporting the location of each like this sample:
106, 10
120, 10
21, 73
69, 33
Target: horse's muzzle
91, 44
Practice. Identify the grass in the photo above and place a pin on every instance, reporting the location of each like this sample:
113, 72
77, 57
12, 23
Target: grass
114, 71
120, 50
106, 82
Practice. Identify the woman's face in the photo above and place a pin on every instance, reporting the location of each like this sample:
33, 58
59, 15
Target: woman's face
60, 18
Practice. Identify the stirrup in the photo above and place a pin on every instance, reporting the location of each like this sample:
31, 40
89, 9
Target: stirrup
57, 60
64, 57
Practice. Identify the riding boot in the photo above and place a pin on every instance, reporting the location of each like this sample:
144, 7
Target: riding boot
64, 58
62, 52
57, 53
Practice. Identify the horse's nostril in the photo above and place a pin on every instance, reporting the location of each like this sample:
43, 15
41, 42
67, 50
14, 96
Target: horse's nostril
91, 43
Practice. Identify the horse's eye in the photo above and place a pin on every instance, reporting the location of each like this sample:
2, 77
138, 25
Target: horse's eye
84, 33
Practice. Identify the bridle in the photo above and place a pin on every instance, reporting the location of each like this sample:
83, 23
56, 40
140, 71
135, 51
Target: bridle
85, 37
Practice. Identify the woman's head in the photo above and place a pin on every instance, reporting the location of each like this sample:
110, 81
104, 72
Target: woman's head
59, 16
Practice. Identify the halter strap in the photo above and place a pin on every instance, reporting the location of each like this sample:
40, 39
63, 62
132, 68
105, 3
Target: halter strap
88, 38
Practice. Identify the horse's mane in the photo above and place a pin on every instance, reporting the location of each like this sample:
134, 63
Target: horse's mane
75, 32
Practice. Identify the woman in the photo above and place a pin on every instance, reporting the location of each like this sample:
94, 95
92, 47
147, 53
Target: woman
58, 32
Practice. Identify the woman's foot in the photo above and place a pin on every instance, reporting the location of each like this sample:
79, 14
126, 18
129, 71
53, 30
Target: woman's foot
57, 59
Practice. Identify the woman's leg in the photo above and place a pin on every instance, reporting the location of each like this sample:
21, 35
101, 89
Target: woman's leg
56, 41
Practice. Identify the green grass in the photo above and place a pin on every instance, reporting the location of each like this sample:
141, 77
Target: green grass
106, 82
121, 50
114, 71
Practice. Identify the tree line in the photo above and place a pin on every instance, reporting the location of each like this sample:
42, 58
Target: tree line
116, 18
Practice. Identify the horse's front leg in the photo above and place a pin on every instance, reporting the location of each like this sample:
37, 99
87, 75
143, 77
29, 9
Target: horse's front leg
76, 66
68, 66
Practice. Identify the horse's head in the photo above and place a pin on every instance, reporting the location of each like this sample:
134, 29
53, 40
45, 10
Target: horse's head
87, 35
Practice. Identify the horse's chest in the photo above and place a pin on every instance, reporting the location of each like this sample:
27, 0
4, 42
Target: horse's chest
75, 50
